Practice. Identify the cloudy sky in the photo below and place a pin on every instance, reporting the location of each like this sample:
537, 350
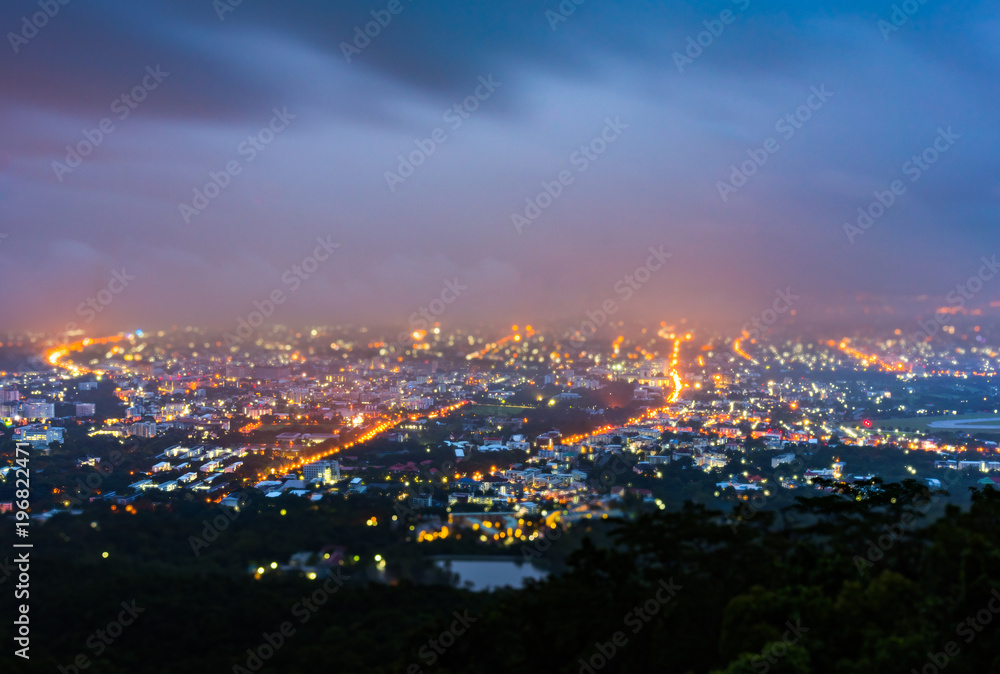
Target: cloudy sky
649, 111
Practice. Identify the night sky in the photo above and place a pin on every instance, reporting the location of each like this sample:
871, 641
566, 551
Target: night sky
616, 107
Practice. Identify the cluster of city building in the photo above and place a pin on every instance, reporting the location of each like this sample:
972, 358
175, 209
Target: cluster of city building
704, 404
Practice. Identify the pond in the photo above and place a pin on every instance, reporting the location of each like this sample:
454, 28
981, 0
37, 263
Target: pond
488, 573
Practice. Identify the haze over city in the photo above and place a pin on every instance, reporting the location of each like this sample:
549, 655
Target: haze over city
354, 112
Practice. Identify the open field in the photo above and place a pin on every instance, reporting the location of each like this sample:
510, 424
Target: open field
498, 410
298, 428
984, 422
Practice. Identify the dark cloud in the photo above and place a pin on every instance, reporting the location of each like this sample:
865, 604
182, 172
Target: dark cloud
658, 184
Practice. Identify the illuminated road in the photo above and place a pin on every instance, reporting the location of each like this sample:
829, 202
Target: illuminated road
514, 337
739, 351
370, 433
55, 355
866, 358
674, 372
675, 394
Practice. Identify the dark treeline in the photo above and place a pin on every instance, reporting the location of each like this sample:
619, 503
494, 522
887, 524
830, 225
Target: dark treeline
853, 581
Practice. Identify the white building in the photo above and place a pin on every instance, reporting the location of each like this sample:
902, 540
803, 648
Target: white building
37, 409
326, 472
143, 429
782, 458
39, 436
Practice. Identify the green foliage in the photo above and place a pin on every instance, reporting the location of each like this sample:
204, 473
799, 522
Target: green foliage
774, 594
